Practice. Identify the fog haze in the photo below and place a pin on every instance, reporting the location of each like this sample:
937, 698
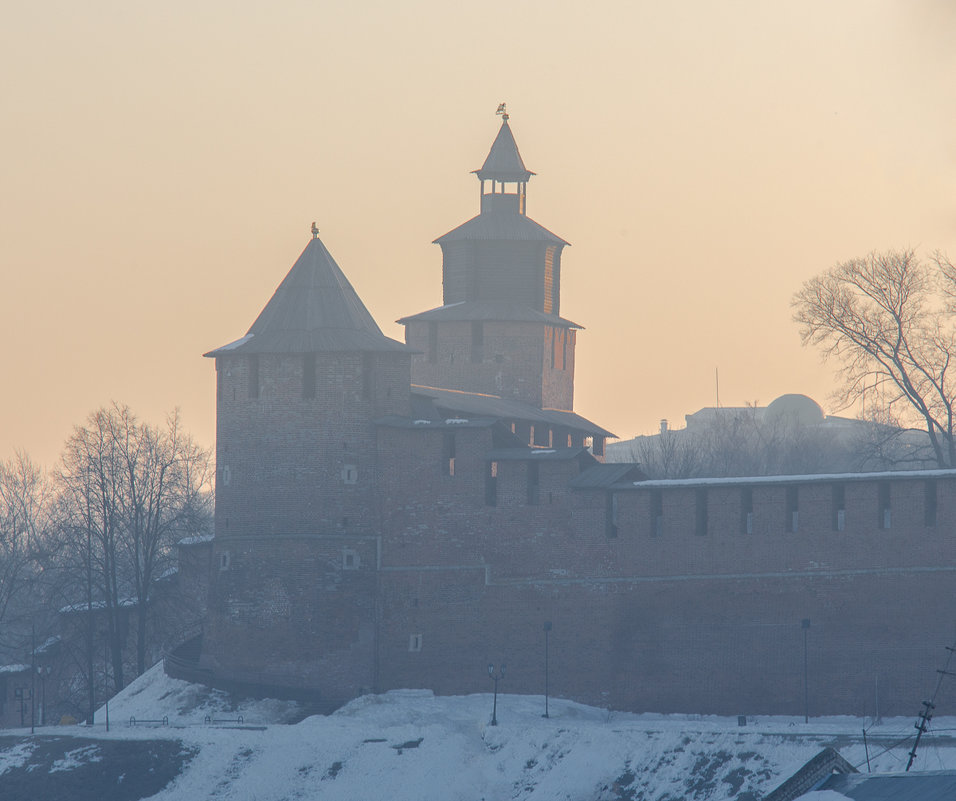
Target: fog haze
163, 164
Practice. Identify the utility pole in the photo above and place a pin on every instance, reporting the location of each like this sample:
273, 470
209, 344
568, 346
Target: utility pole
33, 678
805, 623
926, 714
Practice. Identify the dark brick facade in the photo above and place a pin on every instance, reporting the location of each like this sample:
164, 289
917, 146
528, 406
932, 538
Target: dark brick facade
664, 596
366, 540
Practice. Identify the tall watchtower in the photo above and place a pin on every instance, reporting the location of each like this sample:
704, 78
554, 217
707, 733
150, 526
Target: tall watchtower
499, 330
295, 401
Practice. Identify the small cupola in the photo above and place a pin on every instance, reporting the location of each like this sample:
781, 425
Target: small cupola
503, 176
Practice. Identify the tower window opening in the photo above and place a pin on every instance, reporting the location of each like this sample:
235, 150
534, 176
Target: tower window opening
657, 513
700, 509
533, 484
448, 454
549, 280
747, 510
477, 341
433, 342
610, 516
308, 376
839, 507
368, 375
930, 503
793, 509
254, 376
491, 484
886, 519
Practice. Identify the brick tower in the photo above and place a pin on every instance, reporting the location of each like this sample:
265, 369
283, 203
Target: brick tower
297, 487
499, 330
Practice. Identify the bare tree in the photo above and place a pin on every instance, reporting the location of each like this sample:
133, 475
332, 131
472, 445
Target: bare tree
25, 499
670, 454
128, 489
165, 495
889, 319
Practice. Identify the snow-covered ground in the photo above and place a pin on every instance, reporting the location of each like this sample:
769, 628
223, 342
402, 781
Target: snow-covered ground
412, 745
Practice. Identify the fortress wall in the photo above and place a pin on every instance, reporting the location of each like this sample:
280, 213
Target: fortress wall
705, 646
296, 611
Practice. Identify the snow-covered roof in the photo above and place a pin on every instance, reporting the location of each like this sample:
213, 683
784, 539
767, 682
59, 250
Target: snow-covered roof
83, 606
895, 475
198, 540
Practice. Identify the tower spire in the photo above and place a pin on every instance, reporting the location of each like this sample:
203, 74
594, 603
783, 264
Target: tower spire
504, 166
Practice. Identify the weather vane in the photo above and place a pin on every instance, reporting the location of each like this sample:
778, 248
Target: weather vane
503, 111
315, 231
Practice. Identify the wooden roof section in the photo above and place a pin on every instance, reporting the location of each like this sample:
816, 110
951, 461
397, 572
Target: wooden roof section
314, 309
504, 162
487, 311
451, 403
492, 226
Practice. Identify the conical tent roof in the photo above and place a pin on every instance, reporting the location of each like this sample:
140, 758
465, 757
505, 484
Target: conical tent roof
504, 162
314, 309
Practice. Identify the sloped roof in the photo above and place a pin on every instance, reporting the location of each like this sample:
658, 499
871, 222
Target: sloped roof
816, 770
504, 162
934, 785
474, 404
601, 476
396, 421
313, 309
497, 225
526, 454
473, 310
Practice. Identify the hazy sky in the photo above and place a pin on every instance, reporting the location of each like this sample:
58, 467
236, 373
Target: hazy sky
162, 163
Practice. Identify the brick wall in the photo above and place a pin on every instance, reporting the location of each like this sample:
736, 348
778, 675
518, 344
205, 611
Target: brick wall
297, 611
291, 464
515, 361
669, 596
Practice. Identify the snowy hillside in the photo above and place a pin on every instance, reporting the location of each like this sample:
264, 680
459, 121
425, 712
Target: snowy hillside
412, 745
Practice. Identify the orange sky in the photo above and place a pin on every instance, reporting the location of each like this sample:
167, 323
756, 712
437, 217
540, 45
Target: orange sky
162, 163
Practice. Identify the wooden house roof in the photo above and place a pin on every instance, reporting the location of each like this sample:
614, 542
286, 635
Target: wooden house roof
504, 162
314, 309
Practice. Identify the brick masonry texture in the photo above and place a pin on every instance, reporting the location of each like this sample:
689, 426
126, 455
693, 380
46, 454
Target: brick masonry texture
426, 582
356, 551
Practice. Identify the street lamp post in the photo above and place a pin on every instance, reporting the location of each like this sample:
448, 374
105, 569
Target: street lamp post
547, 631
43, 671
495, 678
